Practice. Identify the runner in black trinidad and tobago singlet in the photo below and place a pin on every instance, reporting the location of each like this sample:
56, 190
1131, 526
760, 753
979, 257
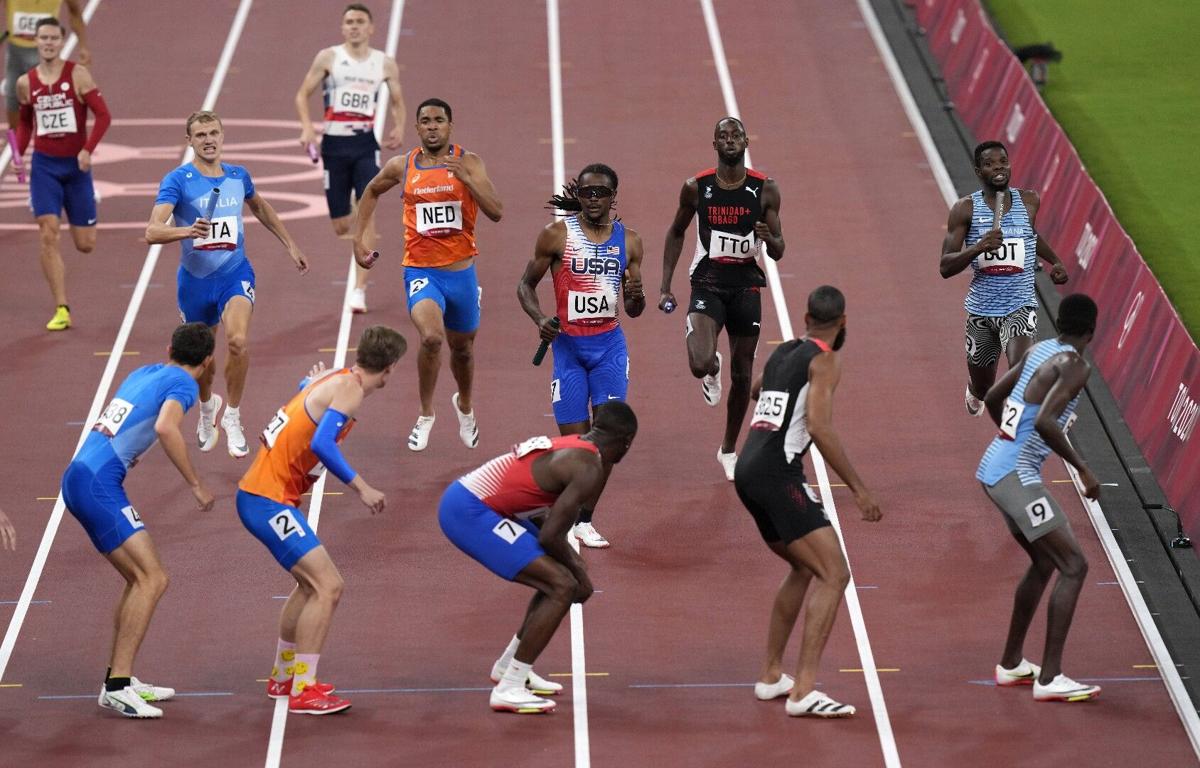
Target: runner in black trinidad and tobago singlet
737, 210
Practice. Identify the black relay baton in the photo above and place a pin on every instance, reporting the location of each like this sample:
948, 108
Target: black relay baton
541, 350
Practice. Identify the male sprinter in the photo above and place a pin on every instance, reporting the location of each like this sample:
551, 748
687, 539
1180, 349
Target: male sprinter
1034, 405
55, 97
591, 257
298, 444
22, 52
351, 74
736, 211
443, 187
498, 515
795, 410
992, 232
148, 407
216, 281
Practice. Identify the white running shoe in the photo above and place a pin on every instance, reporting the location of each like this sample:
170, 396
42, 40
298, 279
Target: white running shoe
206, 428
150, 692
728, 462
588, 536
1063, 688
535, 683
817, 704
710, 385
128, 702
358, 300
1022, 674
419, 437
468, 430
519, 700
768, 691
235, 439
974, 404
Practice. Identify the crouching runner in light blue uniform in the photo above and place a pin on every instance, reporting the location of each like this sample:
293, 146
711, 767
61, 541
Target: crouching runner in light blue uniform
1034, 405
148, 407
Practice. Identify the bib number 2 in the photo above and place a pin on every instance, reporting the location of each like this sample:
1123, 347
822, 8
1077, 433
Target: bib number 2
1011, 418
283, 522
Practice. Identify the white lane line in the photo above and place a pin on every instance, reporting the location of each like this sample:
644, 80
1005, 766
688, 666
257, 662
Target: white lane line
883, 724
583, 749
280, 713
110, 369
1137, 604
88, 12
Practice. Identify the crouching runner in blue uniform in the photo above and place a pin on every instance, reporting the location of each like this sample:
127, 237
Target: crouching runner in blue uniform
148, 407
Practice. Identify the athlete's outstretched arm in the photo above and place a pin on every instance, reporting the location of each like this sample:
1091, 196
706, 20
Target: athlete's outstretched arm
332, 402
1058, 271
470, 171
166, 426
316, 73
160, 231
79, 26
769, 230
391, 76
634, 293
954, 257
389, 176
995, 397
263, 211
689, 198
823, 374
549, 246
1071, 378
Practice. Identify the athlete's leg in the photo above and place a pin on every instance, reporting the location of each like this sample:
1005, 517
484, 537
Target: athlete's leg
462, 365
558, 587
702, 333
821, 553
784, 612
236, 319
1061, 548
206, 378
1018, 331
321, 584
145, 582
741, 368
1026, 598
427, 317
84, 237
51, 257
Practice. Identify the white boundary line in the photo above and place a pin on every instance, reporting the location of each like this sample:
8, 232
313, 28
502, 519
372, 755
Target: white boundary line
883, 725
1137, 604
110, 370
280, 713
583, 749
88, 12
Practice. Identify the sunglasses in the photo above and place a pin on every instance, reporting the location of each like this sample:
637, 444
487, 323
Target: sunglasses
593, 192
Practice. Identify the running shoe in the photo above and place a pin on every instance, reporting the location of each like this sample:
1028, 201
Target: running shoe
282, 689
311, 701
974, 404
710, 385
728, 462
588, 536
358, 300
1022, 674
235, 439
128, 702
61, 320
467, 429
150, 692
535, 683
768, 691
206, 428
419, 437
519, 700
1063, 688
817, 704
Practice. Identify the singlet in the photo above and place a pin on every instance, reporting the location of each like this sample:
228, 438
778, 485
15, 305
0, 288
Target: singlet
191, 193
125, 429
779, 426
285, 466
59, 114
506, 482
1019, 446
352, 92
1002, 281
439, 214
23, 16
587, 285
726, 247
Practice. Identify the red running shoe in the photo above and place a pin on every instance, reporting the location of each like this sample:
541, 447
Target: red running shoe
282, 690
312, 702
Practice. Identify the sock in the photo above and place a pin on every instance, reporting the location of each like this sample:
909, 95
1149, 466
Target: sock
231, 414
285, 654
515, 676
208, 407
585, 515
507, 657
64, 306
116, 683
304, 671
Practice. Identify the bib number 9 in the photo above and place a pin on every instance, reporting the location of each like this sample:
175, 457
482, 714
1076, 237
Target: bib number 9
1040, 512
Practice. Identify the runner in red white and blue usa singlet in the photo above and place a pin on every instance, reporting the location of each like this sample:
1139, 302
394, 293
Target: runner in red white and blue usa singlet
726, 247
506, 482
587, 286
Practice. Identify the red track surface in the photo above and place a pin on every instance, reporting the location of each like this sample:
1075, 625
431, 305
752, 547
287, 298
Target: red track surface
687, 586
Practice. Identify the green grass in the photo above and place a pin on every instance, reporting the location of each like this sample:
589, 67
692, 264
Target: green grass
1127, 92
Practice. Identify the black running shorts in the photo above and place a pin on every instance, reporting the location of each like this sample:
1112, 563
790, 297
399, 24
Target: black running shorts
738, 310
783, 506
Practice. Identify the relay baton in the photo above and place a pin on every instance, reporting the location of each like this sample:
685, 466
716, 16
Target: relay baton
541, 350
17, 161
371, 258
313, 153
211, 208
999, 213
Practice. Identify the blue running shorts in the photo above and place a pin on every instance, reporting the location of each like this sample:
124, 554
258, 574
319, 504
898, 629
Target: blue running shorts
501, 544
457, 293
98, 502
282, 529
203, 299
594, 368
56, 183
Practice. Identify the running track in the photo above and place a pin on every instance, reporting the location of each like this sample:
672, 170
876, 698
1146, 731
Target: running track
674, 636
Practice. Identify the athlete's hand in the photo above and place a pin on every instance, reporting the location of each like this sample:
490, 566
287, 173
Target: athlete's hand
666, 302
633, 286
548, 329
457, 168
85, 160
317, 369
363, 255
298, 257
1091, 486
395, 138
204, 499
870, 508
308, 135
991, 241
1058, 273
85, 56
8, 534
200, 229
372, 499
762, 231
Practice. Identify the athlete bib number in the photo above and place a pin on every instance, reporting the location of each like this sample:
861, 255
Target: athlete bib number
133, 517
1011, 418
509, 531
354, 101
223, 235
729, 246
56, 121
1009, 260
768, 413
439, 219
24, 24
1039, 512
284, 524
113, 417
532, 444
274, 427
582, 305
